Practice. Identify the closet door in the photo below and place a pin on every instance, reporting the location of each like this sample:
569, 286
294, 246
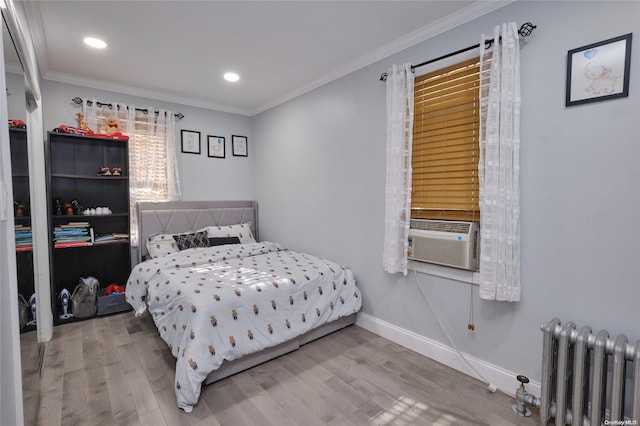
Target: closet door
29, 99
11, 411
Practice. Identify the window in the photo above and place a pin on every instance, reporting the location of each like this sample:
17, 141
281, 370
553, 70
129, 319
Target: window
153, 170
149, 157
445, 153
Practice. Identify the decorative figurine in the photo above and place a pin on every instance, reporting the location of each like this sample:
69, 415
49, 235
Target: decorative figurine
82, 124
111, 126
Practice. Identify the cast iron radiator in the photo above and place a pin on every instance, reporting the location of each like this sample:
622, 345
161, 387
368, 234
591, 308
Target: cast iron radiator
585, 379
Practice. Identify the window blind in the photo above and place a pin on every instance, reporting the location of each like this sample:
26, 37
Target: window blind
445, 151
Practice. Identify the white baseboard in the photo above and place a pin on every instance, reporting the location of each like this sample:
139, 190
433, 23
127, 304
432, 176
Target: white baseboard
504, 379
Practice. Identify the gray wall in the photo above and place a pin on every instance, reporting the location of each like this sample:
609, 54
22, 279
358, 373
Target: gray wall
320, 171
202, 177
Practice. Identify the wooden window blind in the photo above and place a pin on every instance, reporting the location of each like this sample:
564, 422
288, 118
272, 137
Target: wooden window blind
445, 153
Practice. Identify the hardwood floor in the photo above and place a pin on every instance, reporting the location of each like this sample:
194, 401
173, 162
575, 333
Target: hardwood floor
116, 370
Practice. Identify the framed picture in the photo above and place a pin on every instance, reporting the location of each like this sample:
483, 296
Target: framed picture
239, 145
190, 141
216, 146
599, 71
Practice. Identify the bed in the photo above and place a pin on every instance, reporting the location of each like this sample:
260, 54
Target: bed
224, 301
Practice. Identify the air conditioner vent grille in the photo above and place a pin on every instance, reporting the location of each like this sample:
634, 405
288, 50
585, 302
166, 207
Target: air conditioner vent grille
449, 243
441, 226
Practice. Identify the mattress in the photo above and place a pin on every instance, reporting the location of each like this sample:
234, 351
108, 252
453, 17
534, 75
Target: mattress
216, 304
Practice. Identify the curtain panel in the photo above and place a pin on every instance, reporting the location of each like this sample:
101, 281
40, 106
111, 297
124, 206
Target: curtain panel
499, 166
400, 104
153, 166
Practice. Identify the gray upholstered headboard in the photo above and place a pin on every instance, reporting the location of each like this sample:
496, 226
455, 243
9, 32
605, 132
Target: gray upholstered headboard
174, 217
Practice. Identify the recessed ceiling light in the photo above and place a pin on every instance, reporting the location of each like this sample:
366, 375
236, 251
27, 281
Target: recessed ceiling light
231, 76
95, 42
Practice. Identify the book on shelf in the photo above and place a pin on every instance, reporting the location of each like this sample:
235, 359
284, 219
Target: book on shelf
70, 230
79, 234
23, 238
73, 225
73, 240
110, 238
103, 238
72, 234
68, 244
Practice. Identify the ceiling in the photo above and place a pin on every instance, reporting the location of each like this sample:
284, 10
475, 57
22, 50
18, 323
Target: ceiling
177, 51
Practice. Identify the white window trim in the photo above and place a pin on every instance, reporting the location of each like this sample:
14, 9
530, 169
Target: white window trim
445, 272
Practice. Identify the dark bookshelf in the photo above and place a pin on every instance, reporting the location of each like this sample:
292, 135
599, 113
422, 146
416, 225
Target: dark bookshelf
73, 174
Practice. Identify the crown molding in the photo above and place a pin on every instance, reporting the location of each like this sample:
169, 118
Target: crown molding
462, 16
143, 93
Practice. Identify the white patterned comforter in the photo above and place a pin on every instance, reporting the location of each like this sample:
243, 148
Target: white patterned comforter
221, 303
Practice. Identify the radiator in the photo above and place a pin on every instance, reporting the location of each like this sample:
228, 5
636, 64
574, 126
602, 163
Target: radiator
584, 377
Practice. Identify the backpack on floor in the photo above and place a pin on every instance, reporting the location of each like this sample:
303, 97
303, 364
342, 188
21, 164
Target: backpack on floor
84, 299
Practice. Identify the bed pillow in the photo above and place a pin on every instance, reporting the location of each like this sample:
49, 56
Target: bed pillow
194, 240
242, 231
219, 241
160, 245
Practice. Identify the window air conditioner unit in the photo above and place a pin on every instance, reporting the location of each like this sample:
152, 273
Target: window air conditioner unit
444, 242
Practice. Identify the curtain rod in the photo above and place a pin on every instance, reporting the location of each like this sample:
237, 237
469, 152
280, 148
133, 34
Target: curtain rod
525, 30
78, 101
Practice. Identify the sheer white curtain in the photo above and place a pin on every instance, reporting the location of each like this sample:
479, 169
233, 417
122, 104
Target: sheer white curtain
499, 166
152, 158
398, 187
94, 113
153, 166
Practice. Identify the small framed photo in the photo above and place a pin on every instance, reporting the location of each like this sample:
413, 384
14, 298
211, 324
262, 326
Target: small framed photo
599, 71
215, 146
190, 141
239, 145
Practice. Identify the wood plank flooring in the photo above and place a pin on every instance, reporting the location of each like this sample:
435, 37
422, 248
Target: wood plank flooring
116, 370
